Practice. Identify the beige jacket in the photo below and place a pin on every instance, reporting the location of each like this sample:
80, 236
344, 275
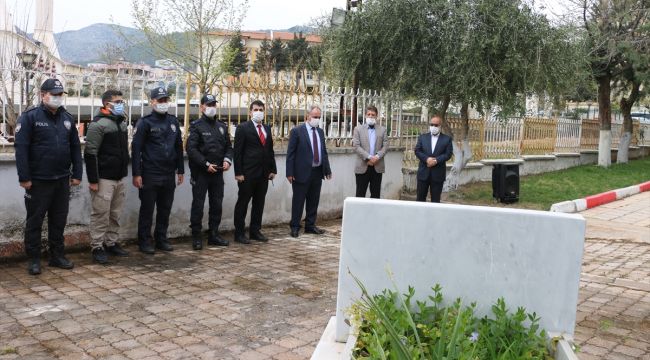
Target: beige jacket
361, 144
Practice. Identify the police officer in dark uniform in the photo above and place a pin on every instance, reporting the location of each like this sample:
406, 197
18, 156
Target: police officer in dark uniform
210, 153
157, 152
47, 144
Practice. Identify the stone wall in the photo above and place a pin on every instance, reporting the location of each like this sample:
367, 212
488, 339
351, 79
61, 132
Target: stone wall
277, 207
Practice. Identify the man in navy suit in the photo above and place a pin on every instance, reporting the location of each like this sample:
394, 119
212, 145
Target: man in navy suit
307, 165
433, 149
254, 162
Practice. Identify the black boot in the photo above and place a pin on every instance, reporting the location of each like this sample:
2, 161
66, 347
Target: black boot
145, 247
197, 241
100, 256
34, 267
164, 245
58, 260
215, 239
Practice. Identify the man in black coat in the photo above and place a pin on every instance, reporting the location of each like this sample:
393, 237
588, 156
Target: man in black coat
210, 154
433, 149
307, 166
157, 151
254, 167
47, 143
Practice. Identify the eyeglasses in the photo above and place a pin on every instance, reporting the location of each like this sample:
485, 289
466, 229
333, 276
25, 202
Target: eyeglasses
436, 125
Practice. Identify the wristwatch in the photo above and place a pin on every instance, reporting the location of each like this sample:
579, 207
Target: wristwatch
207, 164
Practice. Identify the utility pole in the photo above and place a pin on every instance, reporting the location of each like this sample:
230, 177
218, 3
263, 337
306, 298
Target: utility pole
357, 5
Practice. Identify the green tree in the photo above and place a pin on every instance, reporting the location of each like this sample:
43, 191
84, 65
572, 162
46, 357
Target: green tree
182, 32
612, 28
480, 53
271, 58
298, 55
235, 57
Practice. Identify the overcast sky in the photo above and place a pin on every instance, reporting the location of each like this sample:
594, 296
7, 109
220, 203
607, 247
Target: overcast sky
262, 14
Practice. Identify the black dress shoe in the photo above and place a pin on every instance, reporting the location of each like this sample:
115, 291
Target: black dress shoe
61, 262
215, 240
295, 232
314, 230
100, 256
145, 247
258, 236
164, 245
241, 238
116, 250
197, 241
34, 267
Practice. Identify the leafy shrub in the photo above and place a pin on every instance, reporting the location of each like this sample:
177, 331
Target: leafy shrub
392, 326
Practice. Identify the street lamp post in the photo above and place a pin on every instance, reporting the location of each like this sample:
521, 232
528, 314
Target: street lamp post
27, 59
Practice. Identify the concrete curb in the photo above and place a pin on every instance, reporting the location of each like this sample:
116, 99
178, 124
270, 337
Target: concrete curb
599, 199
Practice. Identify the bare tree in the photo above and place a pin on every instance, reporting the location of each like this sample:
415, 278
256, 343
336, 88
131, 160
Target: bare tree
181, 30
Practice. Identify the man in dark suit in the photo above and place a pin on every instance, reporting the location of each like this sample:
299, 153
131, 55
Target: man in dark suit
254, 162
433, 149
307, 165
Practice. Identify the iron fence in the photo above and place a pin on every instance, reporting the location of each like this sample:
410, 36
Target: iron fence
287, 103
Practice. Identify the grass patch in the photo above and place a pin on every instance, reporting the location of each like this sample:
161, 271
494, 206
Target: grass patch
7, 351
541, 191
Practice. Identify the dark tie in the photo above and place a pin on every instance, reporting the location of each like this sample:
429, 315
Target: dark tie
314, 142
262, 138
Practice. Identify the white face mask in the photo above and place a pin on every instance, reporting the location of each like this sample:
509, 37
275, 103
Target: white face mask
210, 111
314, 122
258, 116
371, 121
161, 108
435, 130
54, 102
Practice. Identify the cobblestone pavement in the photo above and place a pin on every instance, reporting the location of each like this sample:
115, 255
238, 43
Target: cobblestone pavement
262, 301
614, 303
272, 301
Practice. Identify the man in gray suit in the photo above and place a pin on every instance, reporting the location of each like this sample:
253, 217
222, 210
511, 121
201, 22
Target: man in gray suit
370, 142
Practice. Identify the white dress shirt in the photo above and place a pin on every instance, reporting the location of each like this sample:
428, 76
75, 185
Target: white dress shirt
310, 132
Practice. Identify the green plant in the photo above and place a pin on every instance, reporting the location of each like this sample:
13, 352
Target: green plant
394, 326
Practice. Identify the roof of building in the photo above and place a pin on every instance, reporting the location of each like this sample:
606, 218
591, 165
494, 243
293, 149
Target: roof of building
262, 35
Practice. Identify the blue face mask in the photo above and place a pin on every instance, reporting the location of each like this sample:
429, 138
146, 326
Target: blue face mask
117, 109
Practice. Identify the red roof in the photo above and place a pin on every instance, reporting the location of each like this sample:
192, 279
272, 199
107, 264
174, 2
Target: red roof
260, 35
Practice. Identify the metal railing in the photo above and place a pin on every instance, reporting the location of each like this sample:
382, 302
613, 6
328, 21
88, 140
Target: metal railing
287, 103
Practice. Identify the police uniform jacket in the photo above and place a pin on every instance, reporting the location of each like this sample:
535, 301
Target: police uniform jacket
47, 144
209, 142
157, 147
107, 147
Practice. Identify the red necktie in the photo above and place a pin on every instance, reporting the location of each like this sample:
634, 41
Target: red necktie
314, 142
262, 138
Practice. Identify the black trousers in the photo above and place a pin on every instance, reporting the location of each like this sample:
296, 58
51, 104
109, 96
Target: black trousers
306, 195
212, 184
434, 187
158, 192
370, 177
250, 189
49, 197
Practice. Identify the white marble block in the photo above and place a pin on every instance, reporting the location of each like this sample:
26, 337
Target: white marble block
530, 258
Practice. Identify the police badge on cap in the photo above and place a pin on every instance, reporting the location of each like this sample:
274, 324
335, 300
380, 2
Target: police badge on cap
53, 86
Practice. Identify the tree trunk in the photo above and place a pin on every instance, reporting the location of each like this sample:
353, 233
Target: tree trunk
605, 115
462, 151
622, 156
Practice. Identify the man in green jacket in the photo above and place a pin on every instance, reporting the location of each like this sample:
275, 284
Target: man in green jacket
107, 159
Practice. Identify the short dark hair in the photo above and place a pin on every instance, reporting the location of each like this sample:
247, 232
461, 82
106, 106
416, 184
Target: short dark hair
372, 108
258, 103
109, 94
